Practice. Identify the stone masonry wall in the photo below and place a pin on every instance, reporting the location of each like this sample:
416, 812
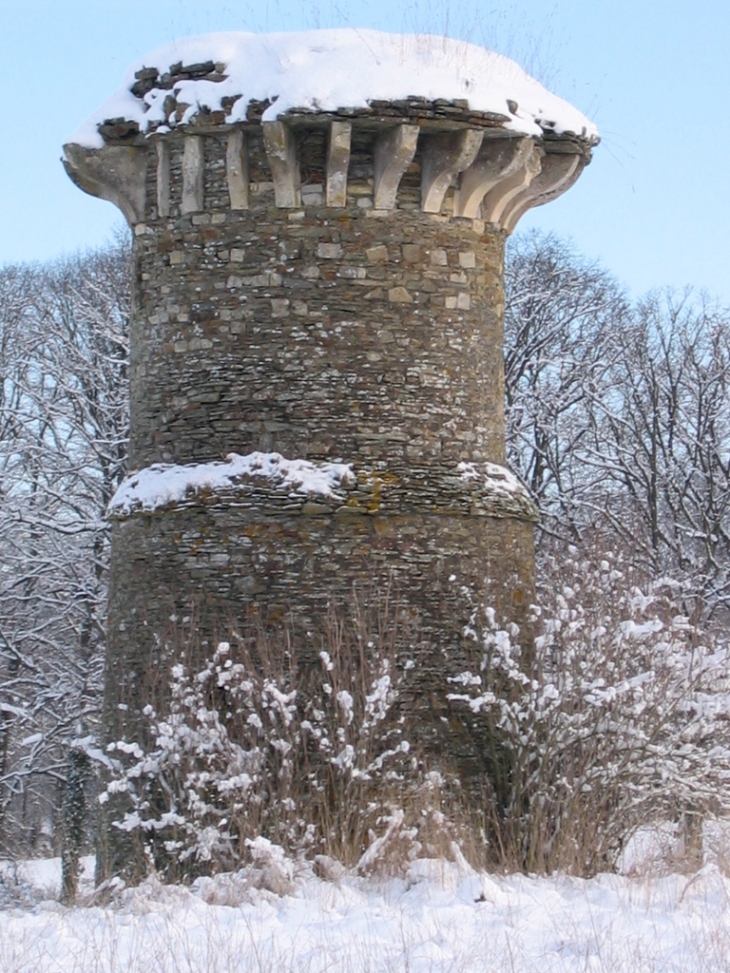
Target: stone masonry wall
368, 336
229, 566
365, 336
334, 334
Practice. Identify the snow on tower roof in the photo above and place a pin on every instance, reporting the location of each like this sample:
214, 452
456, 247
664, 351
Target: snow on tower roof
326, 70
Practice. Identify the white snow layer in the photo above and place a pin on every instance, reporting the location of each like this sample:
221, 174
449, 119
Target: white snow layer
322, 70
441, 916
497, 479
162, 484
165, 483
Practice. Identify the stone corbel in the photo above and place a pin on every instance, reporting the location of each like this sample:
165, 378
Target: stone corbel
281, 151
498, 159
394, 152
443, 157
338, 163
500, 196
115, 173
163, 179
193, 174
237, 169
557, 174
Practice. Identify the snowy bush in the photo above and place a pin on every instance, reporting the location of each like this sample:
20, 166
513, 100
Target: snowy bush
617, 717
245, 749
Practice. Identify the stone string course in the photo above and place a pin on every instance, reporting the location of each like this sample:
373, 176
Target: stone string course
491, 493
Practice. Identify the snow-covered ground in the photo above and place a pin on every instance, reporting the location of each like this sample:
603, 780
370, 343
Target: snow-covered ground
440, 917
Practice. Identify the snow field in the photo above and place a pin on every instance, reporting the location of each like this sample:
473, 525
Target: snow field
440, 917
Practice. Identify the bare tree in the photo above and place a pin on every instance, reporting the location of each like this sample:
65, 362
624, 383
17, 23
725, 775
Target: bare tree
560, 317
618, 417
63, 427
661, 445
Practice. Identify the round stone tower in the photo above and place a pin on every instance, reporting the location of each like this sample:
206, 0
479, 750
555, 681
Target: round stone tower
316, 352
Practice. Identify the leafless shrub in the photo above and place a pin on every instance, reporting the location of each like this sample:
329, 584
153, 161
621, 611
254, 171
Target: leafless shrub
617, 720
318, 759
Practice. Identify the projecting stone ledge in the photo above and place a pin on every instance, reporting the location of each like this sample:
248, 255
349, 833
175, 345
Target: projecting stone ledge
115, 173
268, 481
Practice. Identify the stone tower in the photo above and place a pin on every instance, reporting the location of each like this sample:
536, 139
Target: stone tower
316, 349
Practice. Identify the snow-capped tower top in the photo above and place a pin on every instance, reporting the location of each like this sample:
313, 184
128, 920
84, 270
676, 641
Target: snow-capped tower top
471, 119
326, 71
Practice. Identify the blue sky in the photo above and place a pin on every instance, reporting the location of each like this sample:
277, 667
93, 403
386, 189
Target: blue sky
654, 206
